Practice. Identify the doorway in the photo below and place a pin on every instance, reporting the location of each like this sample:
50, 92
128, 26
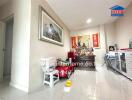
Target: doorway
8, 48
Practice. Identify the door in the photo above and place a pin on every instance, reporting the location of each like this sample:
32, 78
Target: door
8, 48
1, 49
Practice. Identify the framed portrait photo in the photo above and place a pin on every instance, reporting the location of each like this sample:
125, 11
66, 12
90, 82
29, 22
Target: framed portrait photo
111, 48
49, 29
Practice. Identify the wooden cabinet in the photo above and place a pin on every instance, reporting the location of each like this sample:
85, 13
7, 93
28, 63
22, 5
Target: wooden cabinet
86, 60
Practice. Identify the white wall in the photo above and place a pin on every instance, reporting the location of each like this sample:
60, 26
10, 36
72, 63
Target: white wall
21, 44
110, 34
39, 49
124, 28
120, 31
99, 29
21, 41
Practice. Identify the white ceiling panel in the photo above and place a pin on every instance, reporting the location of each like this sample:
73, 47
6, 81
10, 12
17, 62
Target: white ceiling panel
74, 13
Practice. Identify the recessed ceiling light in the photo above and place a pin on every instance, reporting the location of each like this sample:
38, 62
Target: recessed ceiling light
89, 21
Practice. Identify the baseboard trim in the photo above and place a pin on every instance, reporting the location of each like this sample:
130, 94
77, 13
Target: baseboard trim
20, 87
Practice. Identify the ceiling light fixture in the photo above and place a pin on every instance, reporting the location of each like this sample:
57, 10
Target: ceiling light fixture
89, 21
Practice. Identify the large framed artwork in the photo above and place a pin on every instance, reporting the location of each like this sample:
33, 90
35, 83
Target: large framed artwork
81, 41
49, 29
96, 40
88, 41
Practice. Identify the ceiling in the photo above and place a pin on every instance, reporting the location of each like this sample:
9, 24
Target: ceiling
74, 13
3, 2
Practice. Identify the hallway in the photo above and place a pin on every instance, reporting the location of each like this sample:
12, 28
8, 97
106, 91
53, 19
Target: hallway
102, 84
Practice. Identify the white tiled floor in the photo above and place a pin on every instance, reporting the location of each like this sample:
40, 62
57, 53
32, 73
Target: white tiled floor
102, 84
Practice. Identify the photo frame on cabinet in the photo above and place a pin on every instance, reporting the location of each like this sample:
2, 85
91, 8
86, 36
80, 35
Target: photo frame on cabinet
111, 48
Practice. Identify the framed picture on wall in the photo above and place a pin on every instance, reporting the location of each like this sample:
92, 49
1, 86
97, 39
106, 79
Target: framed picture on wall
80, 41
49, 29
96, 40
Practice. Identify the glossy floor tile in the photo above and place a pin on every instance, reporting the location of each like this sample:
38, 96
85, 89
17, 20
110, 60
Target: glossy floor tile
102, 84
